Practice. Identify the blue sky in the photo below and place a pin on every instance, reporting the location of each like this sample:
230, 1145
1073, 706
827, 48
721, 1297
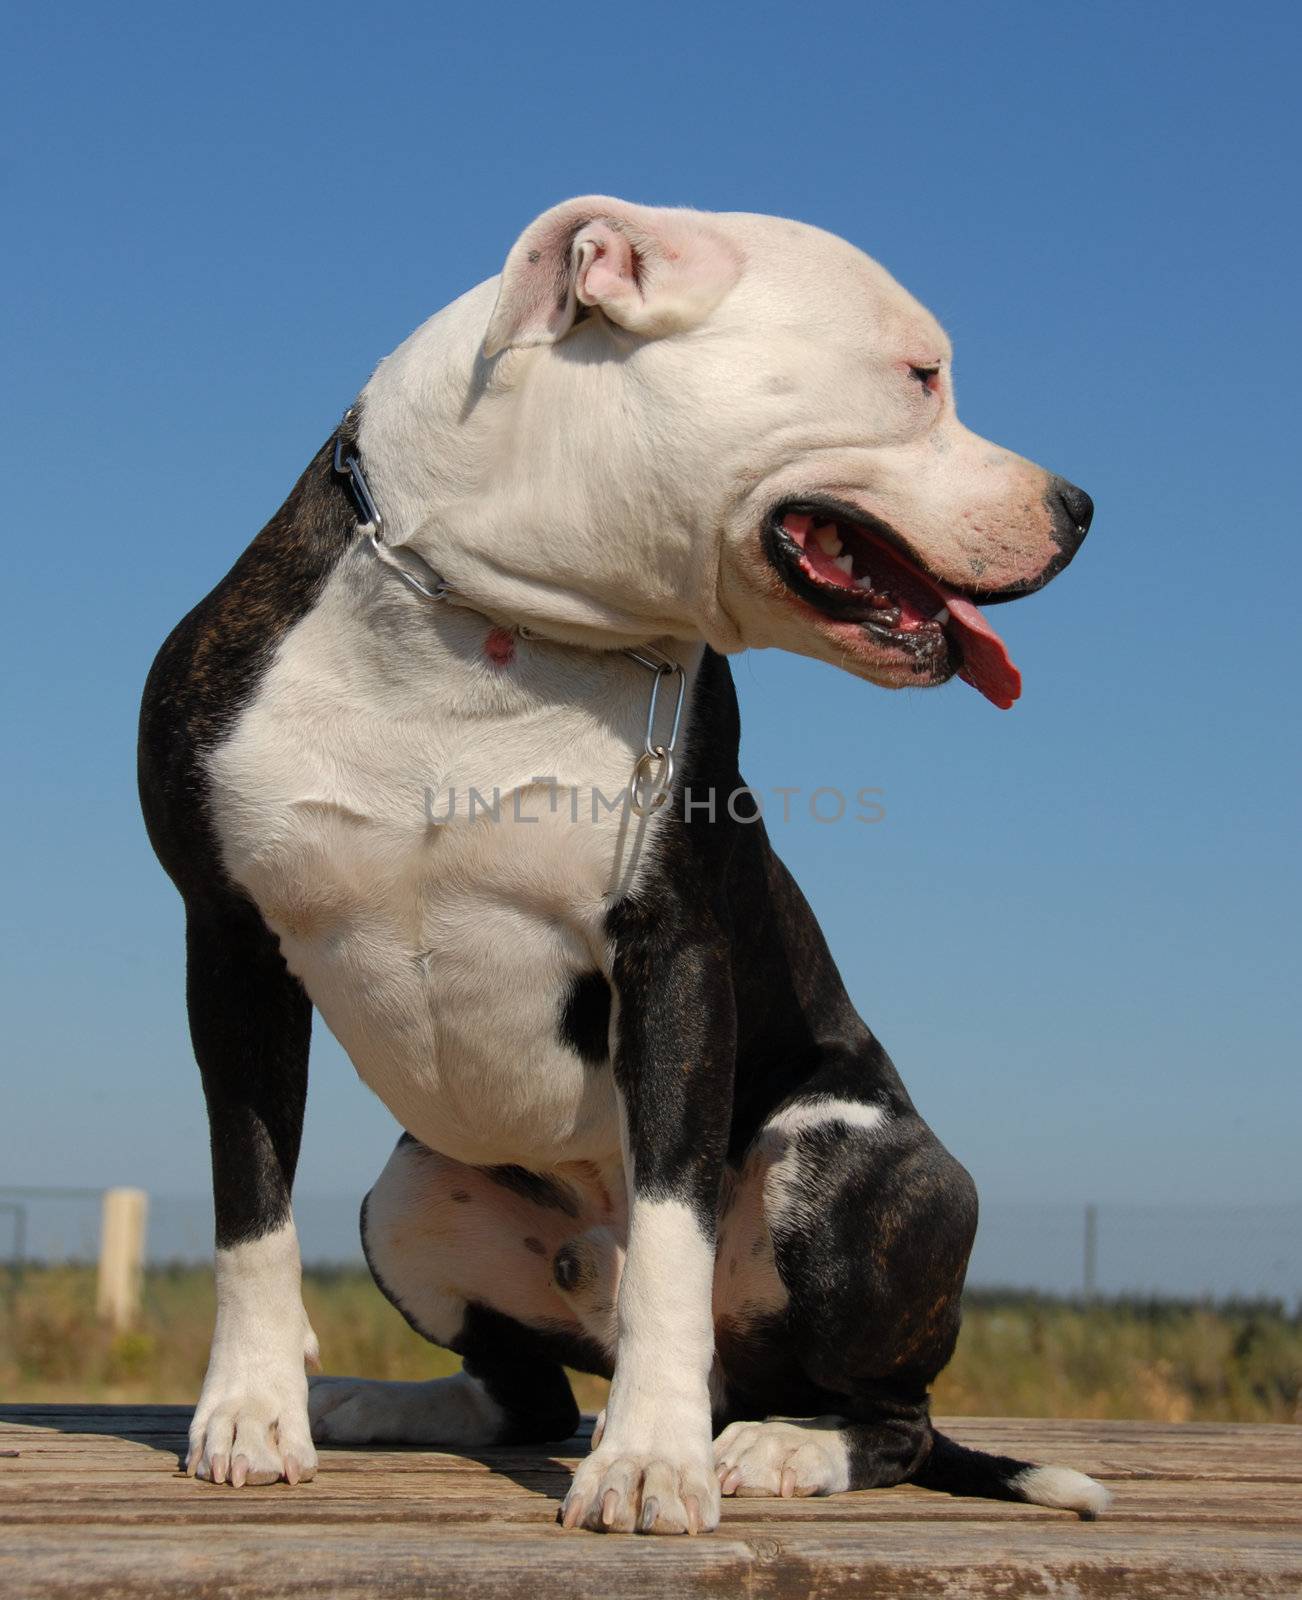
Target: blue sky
1076, 927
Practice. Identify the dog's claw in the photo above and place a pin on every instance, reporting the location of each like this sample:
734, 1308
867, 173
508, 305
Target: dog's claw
790, 1459
649, 1494
250, 1440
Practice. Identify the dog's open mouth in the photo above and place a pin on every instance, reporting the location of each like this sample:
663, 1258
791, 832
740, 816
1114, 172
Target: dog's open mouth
846, 568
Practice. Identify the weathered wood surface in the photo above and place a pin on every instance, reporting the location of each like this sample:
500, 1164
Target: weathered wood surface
94, 1505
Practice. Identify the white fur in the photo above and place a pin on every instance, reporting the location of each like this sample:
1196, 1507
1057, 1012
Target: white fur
787, 1196
439, 955
440, 1233
1062, 1487
456, 1411
655, 1443
783, 1457
651, 272
821, 1109
594, 1302
251, 1424
614, 491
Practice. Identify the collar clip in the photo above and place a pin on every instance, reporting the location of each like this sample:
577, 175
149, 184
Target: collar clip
414, 571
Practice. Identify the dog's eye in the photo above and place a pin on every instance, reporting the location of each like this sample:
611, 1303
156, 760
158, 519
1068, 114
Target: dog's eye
928, 377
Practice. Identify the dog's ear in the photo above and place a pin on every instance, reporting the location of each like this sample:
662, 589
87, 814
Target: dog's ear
651, 271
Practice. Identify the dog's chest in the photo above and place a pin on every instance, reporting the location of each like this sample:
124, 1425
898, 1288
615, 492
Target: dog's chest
432, 830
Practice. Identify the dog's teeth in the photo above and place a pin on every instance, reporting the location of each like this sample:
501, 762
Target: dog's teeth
942, 615
864, 583
846, 564
827, 541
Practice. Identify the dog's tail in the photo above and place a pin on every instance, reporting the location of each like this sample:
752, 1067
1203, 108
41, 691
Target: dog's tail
954, 1469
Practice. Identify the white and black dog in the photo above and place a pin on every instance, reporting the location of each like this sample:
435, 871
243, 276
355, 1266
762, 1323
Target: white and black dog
647, 1134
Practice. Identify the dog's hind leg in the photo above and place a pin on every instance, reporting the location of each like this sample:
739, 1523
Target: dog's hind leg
793, 1299
251, 1024
870, 1222
469, 1255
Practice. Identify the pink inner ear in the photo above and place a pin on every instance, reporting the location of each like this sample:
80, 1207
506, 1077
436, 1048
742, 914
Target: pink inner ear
606, 268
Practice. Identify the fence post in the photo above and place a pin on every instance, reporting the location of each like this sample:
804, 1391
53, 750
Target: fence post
121, 1254
1091, 1251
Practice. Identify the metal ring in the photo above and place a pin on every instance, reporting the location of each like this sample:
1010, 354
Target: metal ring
664, 785
662, 669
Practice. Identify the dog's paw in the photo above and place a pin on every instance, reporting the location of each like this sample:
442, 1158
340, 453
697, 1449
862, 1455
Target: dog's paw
352, 1410
617, 1492
441, 1411
782, 1458
250, 1425
258, 1436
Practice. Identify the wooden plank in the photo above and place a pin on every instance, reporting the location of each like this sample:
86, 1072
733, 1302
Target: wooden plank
162, 1476
1107, 1449
1236, 1446
1276, 1442
1002, 1433
71, 1501
294, 1560
95, 1505
1273, 1462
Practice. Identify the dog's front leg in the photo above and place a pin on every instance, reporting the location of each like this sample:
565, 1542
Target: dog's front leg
674, 1043
250, 1022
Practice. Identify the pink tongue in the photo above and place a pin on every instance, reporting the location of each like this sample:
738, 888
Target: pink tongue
985, 658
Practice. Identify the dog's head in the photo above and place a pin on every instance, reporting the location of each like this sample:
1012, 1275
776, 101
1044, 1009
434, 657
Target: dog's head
744, 428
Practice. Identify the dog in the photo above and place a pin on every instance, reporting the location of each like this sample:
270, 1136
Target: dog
645, 1133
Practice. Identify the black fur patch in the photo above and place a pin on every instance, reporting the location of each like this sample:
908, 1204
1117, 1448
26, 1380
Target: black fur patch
585, 1019
251, 1025
548, 1192
250, 1021
523, 1369
209, 667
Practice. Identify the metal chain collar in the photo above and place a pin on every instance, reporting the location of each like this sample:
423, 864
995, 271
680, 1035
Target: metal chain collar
652, 779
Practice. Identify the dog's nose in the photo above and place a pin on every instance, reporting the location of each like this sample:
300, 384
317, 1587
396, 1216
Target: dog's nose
1073, 510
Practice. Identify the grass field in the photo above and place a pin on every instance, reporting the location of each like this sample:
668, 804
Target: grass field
1019, 1355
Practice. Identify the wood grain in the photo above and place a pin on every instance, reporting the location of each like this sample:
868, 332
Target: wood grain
94, 1505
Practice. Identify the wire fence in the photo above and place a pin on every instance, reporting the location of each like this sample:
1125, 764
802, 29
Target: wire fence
1189, 1251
